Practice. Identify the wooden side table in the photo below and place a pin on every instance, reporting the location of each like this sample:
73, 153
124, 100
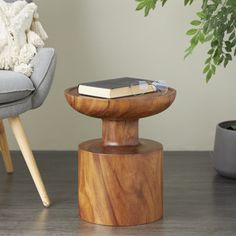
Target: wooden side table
120, 175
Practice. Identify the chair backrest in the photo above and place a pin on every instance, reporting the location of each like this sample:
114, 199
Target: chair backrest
16, 0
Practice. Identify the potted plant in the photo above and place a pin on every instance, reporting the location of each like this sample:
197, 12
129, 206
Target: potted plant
215, 24
225, 149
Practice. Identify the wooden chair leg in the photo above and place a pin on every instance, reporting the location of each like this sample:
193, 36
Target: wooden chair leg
5, 150
23, 143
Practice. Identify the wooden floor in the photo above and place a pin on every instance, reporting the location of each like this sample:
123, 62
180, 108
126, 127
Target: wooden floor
197, 201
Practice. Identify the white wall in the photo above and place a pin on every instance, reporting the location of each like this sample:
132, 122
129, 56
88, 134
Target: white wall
106, 39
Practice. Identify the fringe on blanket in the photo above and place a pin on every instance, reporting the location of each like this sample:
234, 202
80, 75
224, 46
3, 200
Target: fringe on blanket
21, 34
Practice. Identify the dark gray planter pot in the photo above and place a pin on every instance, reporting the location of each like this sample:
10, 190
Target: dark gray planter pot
224, 156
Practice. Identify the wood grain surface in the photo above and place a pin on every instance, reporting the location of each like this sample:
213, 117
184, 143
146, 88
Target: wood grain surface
22, 140
120, 189
5, 150
126, 108
120, 175
120, 133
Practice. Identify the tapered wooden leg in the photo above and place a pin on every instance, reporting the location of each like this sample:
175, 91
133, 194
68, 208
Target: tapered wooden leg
22, 140
4, 149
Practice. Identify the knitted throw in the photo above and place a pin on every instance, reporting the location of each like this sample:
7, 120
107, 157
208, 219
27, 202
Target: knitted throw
21, 34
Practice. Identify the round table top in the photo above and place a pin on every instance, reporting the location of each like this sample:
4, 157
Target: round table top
125, 108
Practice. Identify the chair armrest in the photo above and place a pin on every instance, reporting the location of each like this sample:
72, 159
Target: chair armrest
44, 65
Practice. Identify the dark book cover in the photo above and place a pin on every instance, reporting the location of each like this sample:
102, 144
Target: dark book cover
115, 83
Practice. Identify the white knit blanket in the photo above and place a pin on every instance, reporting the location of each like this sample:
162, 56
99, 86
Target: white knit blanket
21, 34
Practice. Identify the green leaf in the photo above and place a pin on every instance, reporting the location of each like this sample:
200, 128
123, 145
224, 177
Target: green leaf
208, 37
213, 68
228, 49
208, 76
232, 36
233, 43
140, 6
201, 37
146, 11
214, 43
208, 60
221, 60
210, 51
195, 22
201, 15
186, 2
229, 57
206, 69
194, 41
226, 61
191, 32
147, 5
187, 54
164, 2
230, 29
227, 43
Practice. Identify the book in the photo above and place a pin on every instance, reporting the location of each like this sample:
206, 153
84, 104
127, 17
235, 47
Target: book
115, 88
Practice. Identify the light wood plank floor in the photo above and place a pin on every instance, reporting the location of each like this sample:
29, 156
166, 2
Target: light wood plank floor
197, 200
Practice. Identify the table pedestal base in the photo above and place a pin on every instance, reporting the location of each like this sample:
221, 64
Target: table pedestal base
120, 186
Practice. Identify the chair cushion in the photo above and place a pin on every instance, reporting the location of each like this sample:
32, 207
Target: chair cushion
14, 86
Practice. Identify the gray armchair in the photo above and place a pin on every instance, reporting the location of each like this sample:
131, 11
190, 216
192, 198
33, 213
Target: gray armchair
19, 94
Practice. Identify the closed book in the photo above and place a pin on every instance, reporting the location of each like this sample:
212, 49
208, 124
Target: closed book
115, 88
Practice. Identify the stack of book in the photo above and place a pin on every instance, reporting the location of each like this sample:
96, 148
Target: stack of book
116, 88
